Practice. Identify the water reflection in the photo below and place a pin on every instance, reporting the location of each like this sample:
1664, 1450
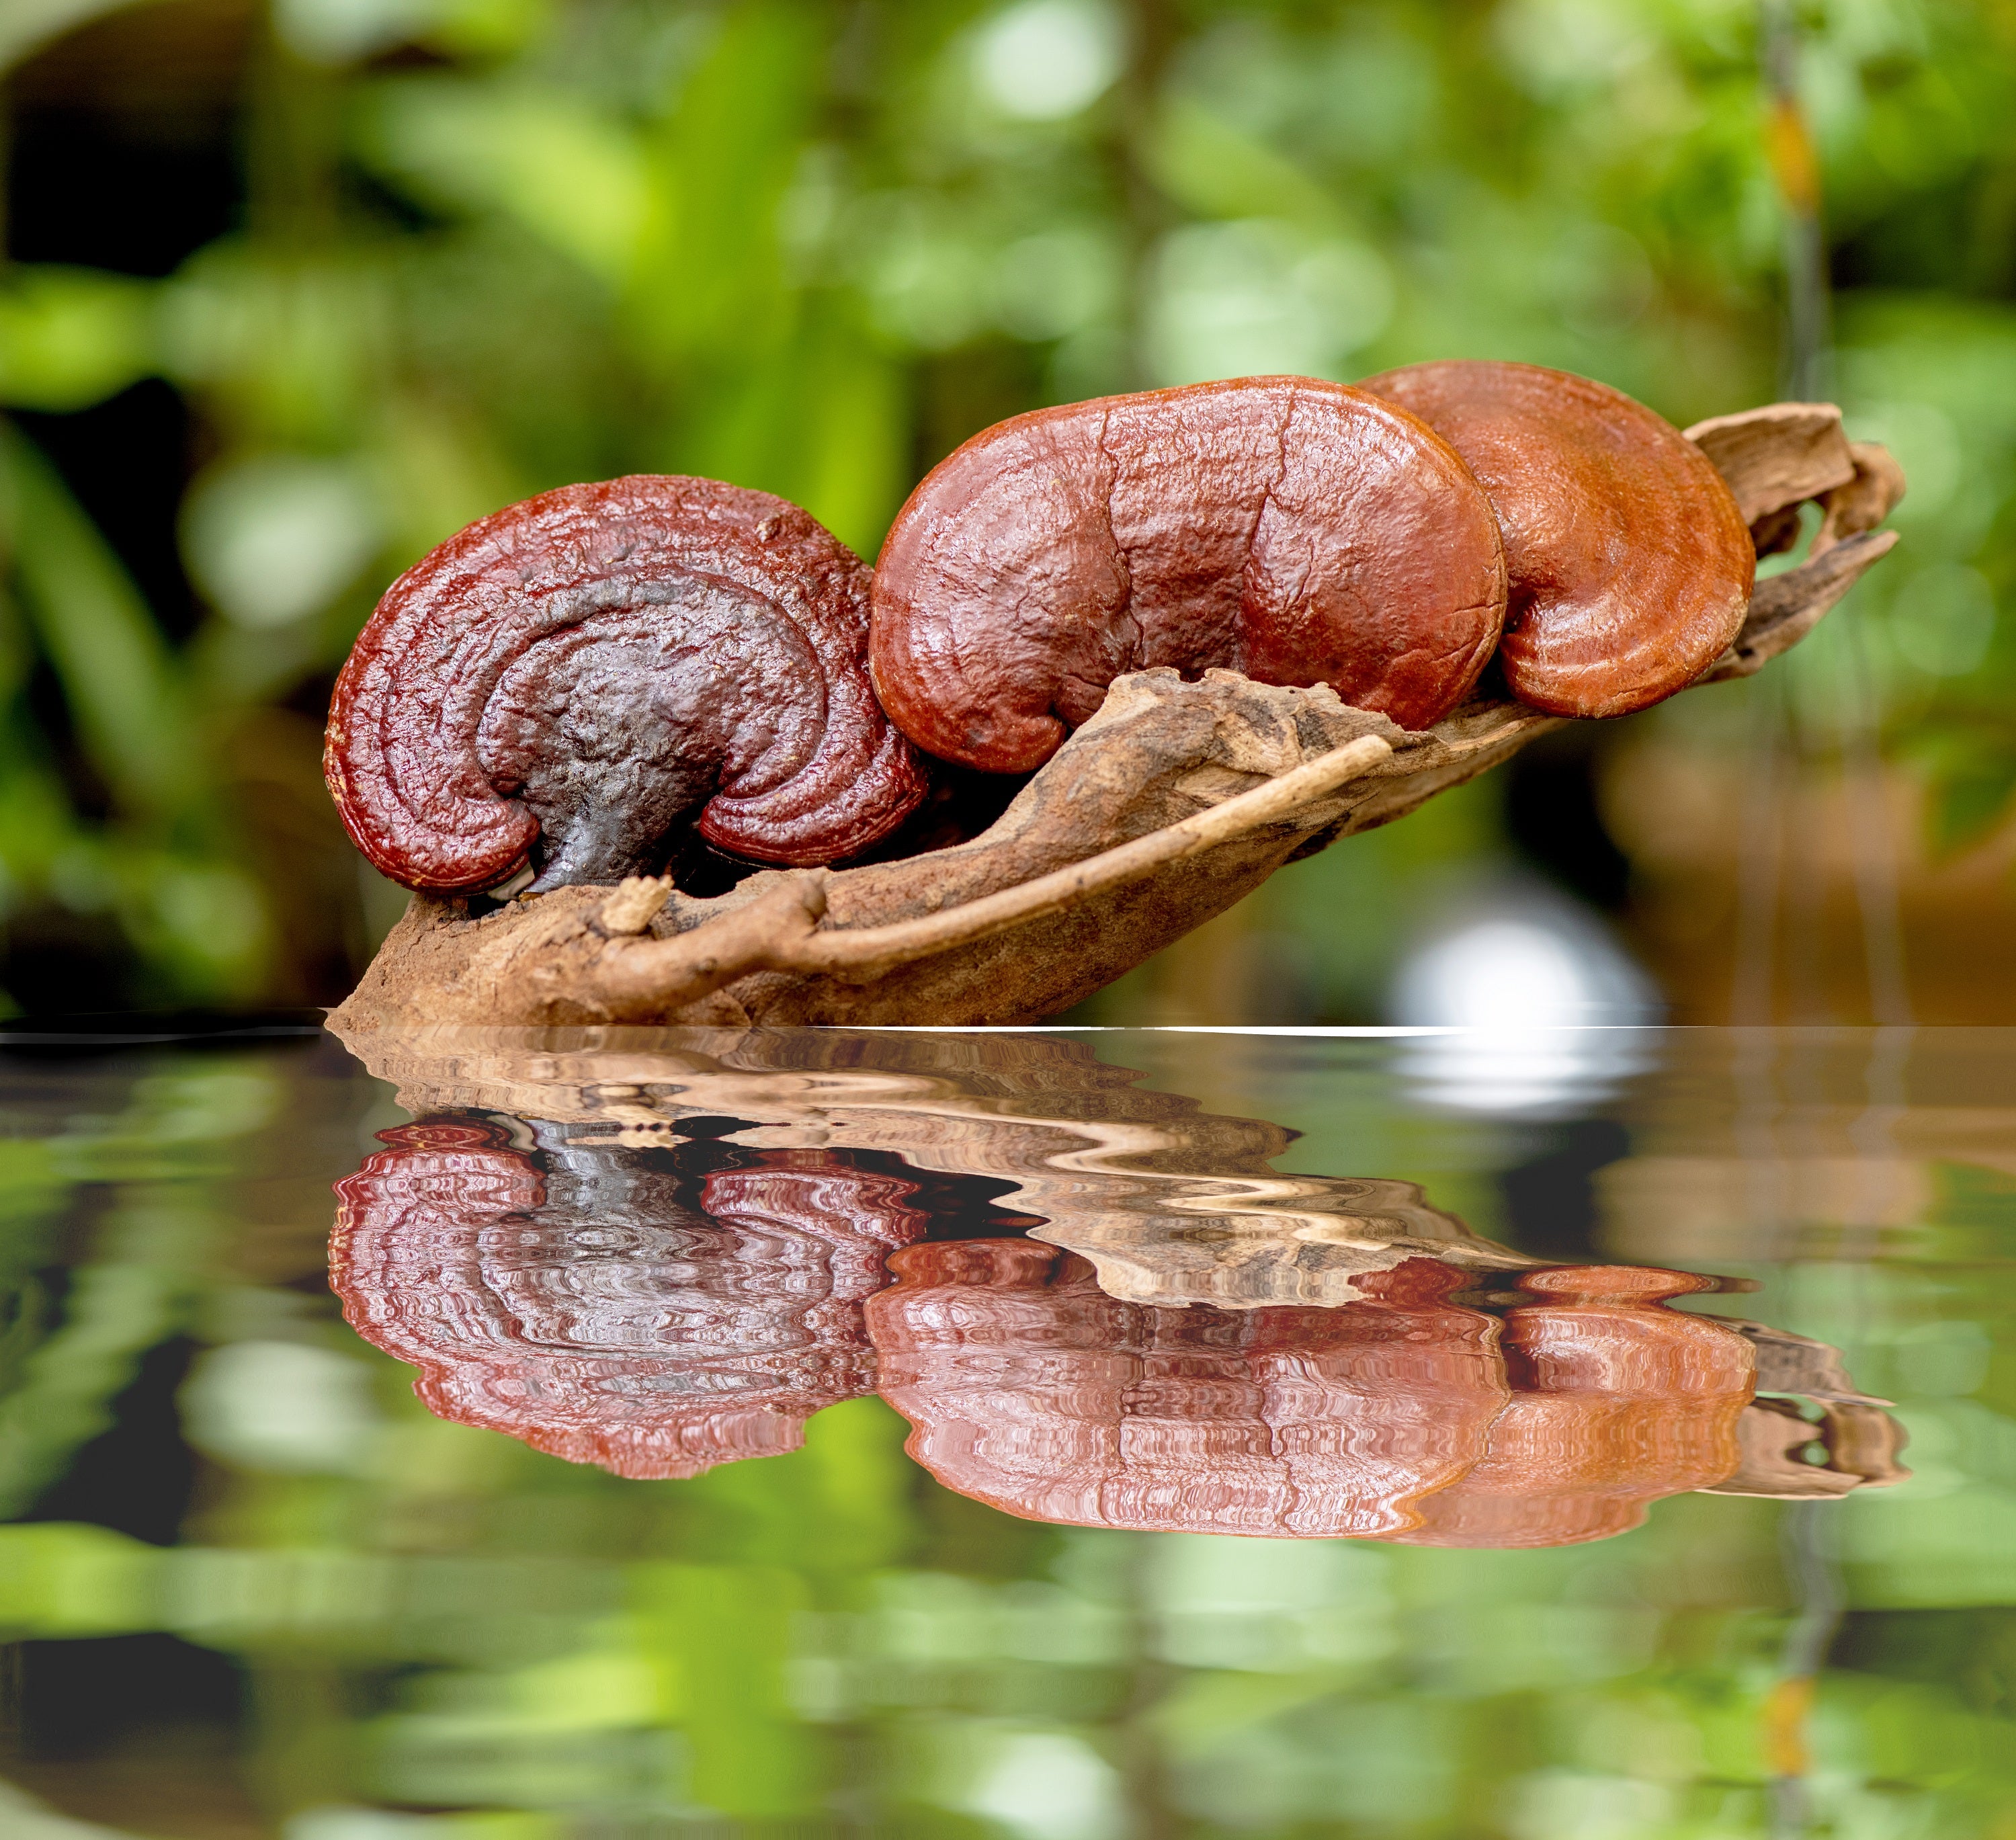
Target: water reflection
1032, 1390
1616, 1402
609, 1307
659, 1254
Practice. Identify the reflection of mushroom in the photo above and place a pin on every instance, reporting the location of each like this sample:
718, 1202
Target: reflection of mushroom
1032, 1390
656, 1284
611, 1308
1293, 530
1629, 565
567, 681
1616, 1402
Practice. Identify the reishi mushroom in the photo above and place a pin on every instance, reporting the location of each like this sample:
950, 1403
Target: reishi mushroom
1296, 530
564, 683
1630, 565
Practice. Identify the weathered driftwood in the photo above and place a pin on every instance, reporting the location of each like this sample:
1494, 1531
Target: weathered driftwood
1172, 803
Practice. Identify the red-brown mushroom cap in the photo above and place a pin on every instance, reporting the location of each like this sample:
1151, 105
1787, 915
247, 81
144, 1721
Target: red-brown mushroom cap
583, 670
1296, 530
1630, 565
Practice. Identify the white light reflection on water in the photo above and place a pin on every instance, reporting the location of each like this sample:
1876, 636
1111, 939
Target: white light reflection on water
1551, 1012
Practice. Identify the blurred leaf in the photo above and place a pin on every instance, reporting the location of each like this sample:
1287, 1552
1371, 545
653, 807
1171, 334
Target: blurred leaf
27, 25
1972, 796
271, 538
568, 174
1209, 167
59, 1578
70, 337
729, 1630
116, 674
710, 280
340, 31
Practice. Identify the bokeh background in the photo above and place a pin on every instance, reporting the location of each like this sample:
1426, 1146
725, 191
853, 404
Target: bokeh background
292, 290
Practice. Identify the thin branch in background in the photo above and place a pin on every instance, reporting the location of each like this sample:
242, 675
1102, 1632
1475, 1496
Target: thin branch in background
1875, 854
1808, 365
1760, 848
1815, 1582
1795, 165
1809, 1565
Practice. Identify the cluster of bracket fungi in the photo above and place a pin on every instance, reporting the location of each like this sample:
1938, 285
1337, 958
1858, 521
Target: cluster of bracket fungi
1390, 586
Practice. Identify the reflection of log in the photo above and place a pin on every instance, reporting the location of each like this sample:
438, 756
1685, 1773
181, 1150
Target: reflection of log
607, 1310
1858, 1442
1172, 1204
1172, 802
1774, 1437
667, 1269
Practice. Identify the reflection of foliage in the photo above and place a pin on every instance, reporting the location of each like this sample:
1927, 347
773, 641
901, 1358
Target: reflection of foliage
60, 1377
437, 1621
809, 246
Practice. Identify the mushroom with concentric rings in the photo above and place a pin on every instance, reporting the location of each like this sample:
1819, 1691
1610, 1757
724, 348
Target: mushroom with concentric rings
565, 684
1630, 566
1295, 531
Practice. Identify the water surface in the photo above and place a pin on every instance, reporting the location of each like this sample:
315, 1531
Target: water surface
1308, 1434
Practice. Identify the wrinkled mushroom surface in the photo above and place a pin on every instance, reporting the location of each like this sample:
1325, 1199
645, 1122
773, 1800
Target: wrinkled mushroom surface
1295, 531
1174, 800
1630, 565
567, 682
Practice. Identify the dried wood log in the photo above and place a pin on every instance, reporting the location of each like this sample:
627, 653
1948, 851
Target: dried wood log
1173, 801
1777, 457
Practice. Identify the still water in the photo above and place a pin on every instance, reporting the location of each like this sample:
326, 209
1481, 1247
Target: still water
1603, 1435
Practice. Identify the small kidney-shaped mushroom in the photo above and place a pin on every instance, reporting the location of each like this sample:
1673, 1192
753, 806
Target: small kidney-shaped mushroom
1630, 565
1296, 530
565, 682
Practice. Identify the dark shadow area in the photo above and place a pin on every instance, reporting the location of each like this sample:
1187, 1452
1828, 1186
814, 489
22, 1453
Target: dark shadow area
1553, 818
137, 1477
1550, 1199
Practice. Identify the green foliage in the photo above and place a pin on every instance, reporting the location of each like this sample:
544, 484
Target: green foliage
809, 246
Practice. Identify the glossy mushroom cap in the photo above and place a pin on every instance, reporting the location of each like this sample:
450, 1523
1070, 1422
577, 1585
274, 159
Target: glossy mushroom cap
1296, 530
1630, 566
601, 1309
568, 681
